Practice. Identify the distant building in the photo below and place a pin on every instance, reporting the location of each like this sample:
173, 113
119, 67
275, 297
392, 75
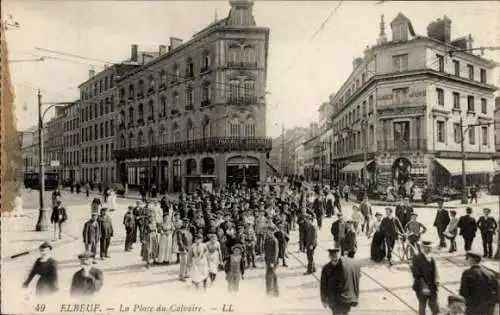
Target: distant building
195, 115
282, 156
403, 104
497, 123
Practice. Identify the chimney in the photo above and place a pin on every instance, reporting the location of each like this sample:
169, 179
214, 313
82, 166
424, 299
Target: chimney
174, 43
134, 52
162, 49
91, 73
356, 62
440, 30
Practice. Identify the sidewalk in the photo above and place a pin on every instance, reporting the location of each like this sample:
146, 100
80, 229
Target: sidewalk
131, 194
484, 200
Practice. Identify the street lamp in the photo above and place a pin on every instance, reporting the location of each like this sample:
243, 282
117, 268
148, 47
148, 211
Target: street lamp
463, 155
42, 222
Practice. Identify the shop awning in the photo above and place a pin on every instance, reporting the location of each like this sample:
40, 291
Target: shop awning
454, 166
354, 167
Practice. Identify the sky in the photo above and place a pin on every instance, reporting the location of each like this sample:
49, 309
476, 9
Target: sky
303, 70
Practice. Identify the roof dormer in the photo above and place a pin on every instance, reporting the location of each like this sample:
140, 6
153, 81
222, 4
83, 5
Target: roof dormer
401, 26
241, 13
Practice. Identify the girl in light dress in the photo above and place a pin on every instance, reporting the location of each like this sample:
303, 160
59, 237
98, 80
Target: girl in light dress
214, 256
198, 256
166, 240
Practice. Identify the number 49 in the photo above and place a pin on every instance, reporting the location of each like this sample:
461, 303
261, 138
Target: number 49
40, 308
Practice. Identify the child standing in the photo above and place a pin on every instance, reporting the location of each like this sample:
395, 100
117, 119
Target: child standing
250, 243
235, 269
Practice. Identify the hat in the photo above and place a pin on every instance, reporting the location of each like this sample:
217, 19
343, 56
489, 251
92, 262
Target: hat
104, 209
185, 220
237, 246
473, 254
198, 236
58, 202
487, 209
453, 211
388, 208
378, 214
333, 250
455, 298
414, 214
426, 243
46, 245
85, 255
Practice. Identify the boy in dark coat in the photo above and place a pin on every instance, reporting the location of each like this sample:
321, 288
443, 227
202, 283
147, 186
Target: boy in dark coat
350, 243
441, 222
468, 227
487, 225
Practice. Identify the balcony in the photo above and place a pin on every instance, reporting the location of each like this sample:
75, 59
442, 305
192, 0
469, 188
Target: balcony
162, 86
241, 64
131, 98
140, 95
204, 69
398, 146
205, 103
151, 91
212, 144
189, 75
174, 112
189, 107
140, 121
242, 100
151, 118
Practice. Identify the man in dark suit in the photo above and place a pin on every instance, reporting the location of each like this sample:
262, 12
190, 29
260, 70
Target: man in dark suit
338, 231
426, 279
87, 280
106, 233
271, 251
129, 223
404, 211
91, 235
58, 217
441, 222
468, 227
339, 284
310, 243
487, 225
479, 287
390, 227
319, 209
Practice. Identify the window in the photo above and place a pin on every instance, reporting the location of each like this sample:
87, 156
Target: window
151, 110
456, 66
250, 128
140, 138
107, 152
470, 69
151, 84
440, 96
106, 83
440, 63
122, 94
234, 87
163, 102
189, 130
189, 96
111, 81
248, 54
112, 127
456, 100
440, 131
249, 87
234, 128
400, 63
112, 104
205, 62
106, 129
177, 72
470, 104
483, 75
472, 135
400, 32
234, 54
141, 112
189, 68
484, 135
205, 128
206, 92
457, 133
131, 93
101, 130
141, 88
131, 115
484, 107
163, 77
96, 132
176, 133
175, 100
363, 78
399, 96
370, 104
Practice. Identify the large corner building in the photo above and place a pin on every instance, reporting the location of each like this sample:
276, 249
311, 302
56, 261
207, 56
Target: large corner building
195, 115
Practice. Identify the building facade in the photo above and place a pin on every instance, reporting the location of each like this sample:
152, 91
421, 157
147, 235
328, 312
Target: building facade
71, 153
54, 146
406, 104
195, 115
282, 156
97, 122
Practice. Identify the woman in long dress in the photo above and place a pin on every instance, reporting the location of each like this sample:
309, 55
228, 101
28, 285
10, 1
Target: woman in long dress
199, 262
214, 256
112, 200
377, 250
177, 222
166, 239
149, 249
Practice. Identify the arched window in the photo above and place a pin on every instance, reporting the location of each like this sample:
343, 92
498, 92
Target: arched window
121, 118
163, 134
141, 87
151, 106
151, 137
176, 133
234, 127
140, 138
130, 140
189, 67
189, 130
131, 91
141, 112
250, 127
151, 84
205, 127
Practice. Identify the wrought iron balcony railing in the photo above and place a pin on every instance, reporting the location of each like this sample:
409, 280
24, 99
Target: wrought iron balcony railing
205, 103
212, 144
401, 145
241, 64
242, 100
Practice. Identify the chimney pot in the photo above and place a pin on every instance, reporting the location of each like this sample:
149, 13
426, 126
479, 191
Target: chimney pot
91, 73
134, 52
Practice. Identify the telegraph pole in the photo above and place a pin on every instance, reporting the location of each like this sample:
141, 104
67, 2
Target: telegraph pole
42, 223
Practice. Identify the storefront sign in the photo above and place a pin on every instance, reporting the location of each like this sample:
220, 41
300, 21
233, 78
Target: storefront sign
413, 94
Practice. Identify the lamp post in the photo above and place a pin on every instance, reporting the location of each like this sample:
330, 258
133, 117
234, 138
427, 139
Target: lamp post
42, 222
464, 156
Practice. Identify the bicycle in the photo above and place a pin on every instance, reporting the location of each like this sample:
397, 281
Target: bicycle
408, 247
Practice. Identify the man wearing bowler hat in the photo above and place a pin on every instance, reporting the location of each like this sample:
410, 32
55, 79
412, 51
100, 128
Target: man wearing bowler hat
426, 279
339, 284
479, 287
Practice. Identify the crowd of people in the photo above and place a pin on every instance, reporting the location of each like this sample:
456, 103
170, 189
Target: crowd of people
206, 233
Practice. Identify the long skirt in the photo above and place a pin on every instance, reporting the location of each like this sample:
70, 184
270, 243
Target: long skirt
377, 251
165, 247
175, 243
199, 269
213, 261
149, 248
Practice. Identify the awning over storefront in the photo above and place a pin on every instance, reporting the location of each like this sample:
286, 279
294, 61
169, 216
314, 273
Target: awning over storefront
354, 167
454, 166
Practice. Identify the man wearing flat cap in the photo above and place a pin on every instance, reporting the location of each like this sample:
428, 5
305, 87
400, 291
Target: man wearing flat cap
426, 279
479, 287
339, 283
88, 280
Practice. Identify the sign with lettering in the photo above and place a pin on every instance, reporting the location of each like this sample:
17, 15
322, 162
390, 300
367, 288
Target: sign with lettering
412, 94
